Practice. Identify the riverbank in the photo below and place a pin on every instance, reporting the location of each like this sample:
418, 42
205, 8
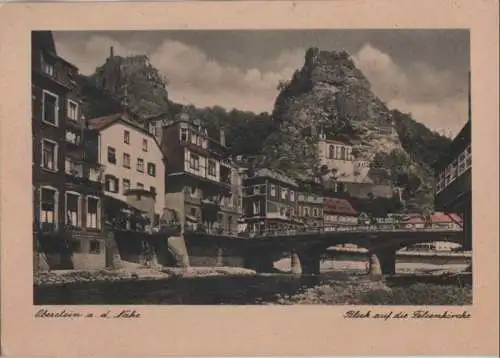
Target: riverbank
359, 291
133, 272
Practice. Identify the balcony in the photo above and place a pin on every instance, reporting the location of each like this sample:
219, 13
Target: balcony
73, 139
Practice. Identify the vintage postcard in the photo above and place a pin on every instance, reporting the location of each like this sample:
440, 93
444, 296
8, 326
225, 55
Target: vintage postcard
249, 174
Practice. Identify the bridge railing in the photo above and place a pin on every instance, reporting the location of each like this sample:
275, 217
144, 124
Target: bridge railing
348, 228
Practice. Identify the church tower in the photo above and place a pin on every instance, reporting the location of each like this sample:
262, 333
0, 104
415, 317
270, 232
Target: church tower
110, 76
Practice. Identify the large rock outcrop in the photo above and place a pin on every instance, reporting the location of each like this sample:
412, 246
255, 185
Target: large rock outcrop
329, 93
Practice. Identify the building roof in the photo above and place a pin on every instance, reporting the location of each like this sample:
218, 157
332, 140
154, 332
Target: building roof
332, 141
44, 40
101, 123
338, 206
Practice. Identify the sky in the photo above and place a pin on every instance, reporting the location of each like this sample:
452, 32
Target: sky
422, 72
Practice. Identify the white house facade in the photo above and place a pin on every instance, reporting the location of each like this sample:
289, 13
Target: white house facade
131, 159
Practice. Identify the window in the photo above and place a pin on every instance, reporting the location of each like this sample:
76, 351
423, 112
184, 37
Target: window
256, 207
126, 185
152, 189
111, 184
283, 193
95, 247
461, 163
192, 212
157, 132
126, 137
50, 108
72, 110
331, 152
140, 185
194, 162
306, 212
47, 67
184, 135
144, 145
73, 209
468, 157
49, 154
273, 190
453, 170
292, 195
48, 209
212, 168
126, 160
71, 168
194, 138
342, 153
152, 169
315, 212
256, 189
111, 155
140, 165
93, 213
204, 143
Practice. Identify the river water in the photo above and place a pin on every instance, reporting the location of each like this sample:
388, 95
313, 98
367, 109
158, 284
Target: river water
233, 290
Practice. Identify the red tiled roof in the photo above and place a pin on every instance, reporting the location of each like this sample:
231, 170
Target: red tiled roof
338, 206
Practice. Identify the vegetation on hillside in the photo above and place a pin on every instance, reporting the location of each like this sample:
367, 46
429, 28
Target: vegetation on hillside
327, 93
422, 144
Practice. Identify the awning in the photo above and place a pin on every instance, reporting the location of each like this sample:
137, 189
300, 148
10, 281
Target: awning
113, 204
191, 218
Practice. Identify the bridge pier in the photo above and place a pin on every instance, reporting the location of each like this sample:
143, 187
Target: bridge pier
219, 260
311, 263
296, 267
382, 263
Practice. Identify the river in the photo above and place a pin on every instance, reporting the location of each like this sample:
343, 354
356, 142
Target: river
231, 290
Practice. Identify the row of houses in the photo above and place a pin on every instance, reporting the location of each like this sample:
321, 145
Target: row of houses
122, 172
141, 174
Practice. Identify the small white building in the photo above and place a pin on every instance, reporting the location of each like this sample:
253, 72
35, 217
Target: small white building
131, 158
339, 155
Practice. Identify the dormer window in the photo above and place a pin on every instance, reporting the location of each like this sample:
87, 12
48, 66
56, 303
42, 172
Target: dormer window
47, 67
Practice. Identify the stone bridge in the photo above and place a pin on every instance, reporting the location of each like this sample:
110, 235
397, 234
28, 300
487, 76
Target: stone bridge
306, 248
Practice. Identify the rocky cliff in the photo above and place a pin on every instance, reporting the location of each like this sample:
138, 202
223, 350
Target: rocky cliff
135, 82
328, 93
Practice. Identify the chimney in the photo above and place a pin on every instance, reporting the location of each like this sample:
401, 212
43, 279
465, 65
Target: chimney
222, 137
111, 52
